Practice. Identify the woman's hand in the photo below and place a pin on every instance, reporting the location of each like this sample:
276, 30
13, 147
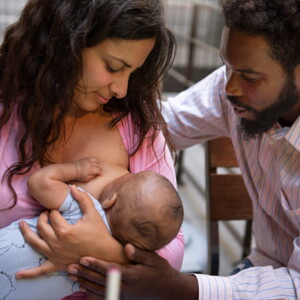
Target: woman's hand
151, 277
63, 243
46, 268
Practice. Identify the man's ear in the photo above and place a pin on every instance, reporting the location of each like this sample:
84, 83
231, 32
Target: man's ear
109, 202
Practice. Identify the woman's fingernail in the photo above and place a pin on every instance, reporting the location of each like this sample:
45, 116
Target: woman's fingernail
84, 262
72, 270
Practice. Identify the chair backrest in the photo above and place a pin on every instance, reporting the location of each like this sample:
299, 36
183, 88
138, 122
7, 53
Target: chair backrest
227, 196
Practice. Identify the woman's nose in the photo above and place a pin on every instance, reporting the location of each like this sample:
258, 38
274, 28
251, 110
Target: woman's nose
119, 86
233, 87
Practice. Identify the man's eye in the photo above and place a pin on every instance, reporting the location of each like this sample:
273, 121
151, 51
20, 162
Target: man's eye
250, 79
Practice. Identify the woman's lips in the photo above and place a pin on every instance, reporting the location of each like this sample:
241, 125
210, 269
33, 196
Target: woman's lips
101, 99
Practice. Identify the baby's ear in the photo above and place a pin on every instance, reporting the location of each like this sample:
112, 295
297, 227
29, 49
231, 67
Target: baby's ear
109, 202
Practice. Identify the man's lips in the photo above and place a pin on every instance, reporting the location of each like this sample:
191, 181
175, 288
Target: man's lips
237, 108
243, 112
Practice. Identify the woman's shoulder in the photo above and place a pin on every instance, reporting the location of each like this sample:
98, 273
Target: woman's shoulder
129, 133
152, 154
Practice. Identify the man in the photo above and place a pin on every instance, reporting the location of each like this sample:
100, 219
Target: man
255, 100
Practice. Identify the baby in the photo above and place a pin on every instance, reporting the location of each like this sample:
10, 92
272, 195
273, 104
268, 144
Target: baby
143, 209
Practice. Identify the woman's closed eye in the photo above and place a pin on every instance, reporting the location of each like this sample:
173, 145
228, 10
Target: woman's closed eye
111, 69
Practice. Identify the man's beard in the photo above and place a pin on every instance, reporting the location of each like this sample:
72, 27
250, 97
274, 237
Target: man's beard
268, 117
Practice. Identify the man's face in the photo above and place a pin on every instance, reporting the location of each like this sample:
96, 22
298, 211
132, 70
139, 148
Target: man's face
259, 90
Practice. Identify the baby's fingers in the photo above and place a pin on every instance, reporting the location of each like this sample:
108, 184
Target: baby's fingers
96, 168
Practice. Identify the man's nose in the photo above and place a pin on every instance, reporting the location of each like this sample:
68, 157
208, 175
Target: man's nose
233, 87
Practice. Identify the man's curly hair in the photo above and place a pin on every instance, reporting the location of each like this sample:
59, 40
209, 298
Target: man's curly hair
278, 21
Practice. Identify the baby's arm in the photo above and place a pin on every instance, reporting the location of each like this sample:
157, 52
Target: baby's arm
49, 185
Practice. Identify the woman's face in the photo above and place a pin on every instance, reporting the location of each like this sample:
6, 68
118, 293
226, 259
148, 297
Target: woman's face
106, 71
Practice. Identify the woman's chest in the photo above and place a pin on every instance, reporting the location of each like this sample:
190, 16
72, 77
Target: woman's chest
90, 137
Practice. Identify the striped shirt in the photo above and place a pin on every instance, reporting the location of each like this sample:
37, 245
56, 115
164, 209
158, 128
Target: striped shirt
270, 166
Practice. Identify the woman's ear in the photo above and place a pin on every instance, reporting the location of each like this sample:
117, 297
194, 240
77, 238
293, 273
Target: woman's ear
109, 202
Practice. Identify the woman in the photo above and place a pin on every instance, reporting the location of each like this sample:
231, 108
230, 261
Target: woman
81, 78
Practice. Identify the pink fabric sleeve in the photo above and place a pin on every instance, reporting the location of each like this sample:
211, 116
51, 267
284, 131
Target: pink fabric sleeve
174, 251
26, 206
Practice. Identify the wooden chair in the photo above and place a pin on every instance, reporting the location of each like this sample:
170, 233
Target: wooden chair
227, 198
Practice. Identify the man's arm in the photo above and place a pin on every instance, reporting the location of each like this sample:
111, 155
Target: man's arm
151, 277
48, 184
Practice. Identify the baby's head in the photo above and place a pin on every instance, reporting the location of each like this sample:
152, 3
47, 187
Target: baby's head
147, 212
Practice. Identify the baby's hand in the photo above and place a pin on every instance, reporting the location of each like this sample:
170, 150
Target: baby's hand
87, 169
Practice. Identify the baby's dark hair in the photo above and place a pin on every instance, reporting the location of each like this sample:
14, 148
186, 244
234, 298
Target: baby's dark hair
278, 21
171, 206
147, 210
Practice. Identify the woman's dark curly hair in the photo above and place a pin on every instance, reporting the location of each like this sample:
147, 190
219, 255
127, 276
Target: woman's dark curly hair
40, 65
278, 21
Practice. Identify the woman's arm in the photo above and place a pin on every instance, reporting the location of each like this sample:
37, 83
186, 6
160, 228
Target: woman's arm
63, 247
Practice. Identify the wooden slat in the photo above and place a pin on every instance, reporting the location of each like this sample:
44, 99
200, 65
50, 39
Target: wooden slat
229, 198
221, 153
